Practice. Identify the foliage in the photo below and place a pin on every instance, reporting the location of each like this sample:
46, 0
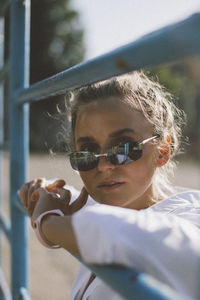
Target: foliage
182, 80
56, 44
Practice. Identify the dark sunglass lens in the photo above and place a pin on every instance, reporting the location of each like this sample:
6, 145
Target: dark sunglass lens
83, 161
117, 155
125, 153
135, 151
118, 159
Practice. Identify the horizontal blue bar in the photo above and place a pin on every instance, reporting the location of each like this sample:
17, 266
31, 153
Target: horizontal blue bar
168, 44
5, 225
131, 284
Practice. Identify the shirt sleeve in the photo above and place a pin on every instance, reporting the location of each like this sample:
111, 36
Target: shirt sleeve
164, 246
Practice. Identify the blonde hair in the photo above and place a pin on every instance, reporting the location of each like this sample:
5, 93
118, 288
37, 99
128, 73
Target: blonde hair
148, 97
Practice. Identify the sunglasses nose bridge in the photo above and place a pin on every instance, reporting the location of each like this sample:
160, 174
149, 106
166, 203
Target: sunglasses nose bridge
101, 155
103, 161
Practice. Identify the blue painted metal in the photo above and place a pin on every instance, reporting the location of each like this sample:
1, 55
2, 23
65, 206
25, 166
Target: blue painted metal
23, 294
2, 292
131, 284
4, 223
1, 115
19, 132
165, 45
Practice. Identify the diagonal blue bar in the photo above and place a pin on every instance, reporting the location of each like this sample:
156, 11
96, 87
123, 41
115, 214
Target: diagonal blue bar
24, 295
168, 44
133, 285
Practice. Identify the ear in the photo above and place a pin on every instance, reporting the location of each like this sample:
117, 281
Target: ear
164, 153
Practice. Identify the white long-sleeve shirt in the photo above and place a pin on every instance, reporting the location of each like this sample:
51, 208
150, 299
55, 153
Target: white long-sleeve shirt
163, 241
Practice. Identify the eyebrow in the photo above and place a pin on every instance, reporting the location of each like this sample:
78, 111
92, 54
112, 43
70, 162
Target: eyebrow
121, 132
87, 139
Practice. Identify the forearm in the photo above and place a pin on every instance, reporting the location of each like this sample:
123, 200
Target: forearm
59, 231
155, 243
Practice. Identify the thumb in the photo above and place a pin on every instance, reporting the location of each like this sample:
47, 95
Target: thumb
79, 202
34, 199
59, 183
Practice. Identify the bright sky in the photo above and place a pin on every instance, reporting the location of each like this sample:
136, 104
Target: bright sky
112, 23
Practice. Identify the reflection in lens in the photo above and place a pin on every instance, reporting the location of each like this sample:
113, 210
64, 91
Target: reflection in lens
83, 161
125, 153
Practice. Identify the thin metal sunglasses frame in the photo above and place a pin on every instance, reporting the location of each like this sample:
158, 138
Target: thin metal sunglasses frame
107, 154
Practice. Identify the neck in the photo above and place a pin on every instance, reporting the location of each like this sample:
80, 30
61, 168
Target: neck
148, 199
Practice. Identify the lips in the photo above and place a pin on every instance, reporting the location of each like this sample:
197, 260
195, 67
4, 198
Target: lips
109, 185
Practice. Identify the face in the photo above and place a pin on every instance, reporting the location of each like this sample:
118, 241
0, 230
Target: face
98, 128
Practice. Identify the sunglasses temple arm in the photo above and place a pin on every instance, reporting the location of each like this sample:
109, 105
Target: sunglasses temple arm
149, 139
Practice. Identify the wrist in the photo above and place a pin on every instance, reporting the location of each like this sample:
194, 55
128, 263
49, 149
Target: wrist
39, 227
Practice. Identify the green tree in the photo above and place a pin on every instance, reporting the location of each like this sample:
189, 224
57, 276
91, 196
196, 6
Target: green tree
182, 80
56, 45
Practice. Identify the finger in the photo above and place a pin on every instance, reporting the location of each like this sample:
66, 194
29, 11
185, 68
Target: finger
32, 203
79, 202
40, 193
23, 193
56, 184
40, 183
37, 184
31, 190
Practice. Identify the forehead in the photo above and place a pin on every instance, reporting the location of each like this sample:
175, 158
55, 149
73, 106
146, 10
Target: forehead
101, 118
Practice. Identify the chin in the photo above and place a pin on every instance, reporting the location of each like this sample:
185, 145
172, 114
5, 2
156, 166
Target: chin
112, 202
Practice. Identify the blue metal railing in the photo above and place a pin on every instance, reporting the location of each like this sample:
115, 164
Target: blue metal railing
162, 46
4, 223
19, 138
165, 45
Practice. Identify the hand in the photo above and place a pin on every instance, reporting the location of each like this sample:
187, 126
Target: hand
30, 187
59, 199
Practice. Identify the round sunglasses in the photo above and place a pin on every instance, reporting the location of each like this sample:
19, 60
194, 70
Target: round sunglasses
121, 154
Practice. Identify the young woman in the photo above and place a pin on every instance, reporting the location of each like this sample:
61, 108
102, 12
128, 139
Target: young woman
125, 132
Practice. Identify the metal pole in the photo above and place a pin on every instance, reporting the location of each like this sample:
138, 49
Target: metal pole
1, 120
4, 290
19, 132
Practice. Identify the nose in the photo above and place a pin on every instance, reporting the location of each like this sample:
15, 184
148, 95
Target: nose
104, 164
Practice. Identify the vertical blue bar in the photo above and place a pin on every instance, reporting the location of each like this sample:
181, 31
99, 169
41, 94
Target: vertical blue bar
19, 132
1, 121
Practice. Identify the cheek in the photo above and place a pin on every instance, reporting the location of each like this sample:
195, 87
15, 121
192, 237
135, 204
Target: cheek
141, 170
87, 178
